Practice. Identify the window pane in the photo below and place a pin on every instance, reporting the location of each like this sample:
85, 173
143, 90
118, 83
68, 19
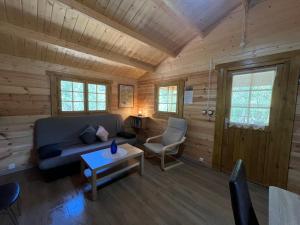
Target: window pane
101, 89
163, 91
167, 99
239, 115
163, 99
259, 116
92, 106
101, 97
66, 96
163, 107
78, 106
101, 106
77, 86
72, 92
251, 97
240, 98
241, 82
172, 99
66, 106
172, 108
92, 97
173, 90
78, 96
97, 97
263, 80
261, 99
66, 85
92, 88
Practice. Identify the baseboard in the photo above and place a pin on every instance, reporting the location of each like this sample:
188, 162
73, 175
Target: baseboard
4, 172
194, 161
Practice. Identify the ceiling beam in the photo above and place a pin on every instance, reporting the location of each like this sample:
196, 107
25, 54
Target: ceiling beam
31, 34
80, 7
39, 67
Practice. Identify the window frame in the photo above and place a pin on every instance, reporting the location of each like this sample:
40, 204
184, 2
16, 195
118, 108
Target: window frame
242, 71
55, 86
180, 94
87, 93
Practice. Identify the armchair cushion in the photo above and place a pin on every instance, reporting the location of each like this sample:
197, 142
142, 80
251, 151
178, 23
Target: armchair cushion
175, 131
154, 147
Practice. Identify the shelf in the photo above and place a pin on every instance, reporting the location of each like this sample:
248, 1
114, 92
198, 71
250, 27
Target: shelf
138, 122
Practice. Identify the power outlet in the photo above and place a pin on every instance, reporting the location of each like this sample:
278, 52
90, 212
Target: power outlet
11, 166
201, 159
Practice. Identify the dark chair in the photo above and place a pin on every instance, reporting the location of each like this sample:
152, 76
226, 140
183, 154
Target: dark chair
9, 195
240, 198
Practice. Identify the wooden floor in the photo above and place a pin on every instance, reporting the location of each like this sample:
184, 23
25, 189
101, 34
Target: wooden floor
189, 194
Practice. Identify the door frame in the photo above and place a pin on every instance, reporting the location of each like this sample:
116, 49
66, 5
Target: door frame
291, 60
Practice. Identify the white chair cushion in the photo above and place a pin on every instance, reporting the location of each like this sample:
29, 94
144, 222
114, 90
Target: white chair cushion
154, 147
175, 131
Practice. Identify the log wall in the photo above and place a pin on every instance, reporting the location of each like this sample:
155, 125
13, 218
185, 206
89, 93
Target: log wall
272, 27
24, 98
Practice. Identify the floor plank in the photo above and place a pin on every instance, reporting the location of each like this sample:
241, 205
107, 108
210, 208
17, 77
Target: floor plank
188, 194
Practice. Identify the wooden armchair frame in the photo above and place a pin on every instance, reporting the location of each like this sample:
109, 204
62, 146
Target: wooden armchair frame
167, 150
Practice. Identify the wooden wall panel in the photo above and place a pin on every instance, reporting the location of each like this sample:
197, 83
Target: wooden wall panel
273, 27
25, 97
199, 143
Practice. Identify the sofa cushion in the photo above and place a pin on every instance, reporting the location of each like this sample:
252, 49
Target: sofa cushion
126, 135
67, 129
88, 136
72, 153
102, 134
49, 151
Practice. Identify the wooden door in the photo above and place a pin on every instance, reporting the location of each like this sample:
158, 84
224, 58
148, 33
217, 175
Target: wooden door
248, 140
265, 150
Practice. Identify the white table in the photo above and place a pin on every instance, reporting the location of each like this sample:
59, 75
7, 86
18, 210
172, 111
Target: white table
284, 207
101, 165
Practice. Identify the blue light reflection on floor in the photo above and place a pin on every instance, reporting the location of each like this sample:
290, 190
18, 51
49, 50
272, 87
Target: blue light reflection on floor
75, 205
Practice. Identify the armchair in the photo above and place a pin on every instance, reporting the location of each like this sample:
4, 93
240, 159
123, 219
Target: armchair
171, 139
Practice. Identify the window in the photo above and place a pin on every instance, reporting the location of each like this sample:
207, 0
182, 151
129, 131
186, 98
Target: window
97, 97
78, 95
169, 98
251, 97
72, 96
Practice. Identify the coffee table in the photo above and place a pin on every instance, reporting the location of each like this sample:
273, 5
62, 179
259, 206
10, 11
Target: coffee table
101, 165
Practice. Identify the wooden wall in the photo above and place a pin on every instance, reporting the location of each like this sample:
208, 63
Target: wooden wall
24, 98
199, 143
273, 26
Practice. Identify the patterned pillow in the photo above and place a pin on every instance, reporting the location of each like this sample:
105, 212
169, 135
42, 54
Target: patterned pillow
102, 134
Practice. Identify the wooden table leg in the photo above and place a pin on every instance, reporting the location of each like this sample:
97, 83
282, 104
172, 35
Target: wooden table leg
82, 167
142, 164
94, 185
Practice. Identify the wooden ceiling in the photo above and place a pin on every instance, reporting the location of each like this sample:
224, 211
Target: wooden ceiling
118, 37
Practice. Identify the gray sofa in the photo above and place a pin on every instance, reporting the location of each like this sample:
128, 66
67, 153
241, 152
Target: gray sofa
66, 131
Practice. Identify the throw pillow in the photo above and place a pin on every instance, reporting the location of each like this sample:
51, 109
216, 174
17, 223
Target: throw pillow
126, 135
49, 151
102, 134
88, 136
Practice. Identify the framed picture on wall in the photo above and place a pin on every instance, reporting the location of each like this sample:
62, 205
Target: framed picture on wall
126, 96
